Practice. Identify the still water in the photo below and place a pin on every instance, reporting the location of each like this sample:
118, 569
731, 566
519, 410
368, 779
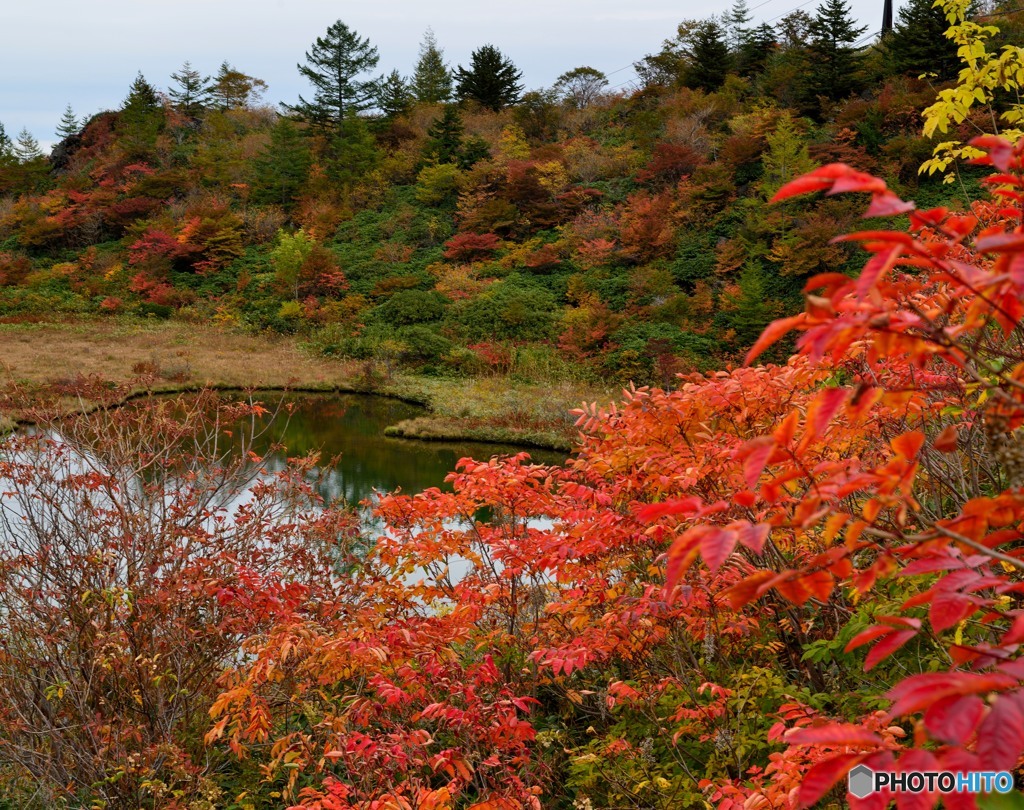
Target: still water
351, 428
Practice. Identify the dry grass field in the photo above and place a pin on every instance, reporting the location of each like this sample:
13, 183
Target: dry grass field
175, 356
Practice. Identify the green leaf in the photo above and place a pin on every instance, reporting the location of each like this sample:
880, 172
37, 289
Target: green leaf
1001, 801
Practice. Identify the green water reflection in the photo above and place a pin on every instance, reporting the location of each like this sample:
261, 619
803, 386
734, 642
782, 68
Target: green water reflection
351, 427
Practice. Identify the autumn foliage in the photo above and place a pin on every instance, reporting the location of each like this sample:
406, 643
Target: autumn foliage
736, 592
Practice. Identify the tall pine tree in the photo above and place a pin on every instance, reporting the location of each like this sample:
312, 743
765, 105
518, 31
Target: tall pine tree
917, 43
191, 92
710, 60
333, 66
492, 79
432, 79
836, 63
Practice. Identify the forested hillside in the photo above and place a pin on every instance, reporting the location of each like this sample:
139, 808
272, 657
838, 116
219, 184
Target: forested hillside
452, 223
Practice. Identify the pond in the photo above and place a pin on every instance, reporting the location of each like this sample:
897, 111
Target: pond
351, 426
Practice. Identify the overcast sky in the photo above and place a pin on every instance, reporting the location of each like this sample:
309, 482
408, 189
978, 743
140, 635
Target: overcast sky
87, 53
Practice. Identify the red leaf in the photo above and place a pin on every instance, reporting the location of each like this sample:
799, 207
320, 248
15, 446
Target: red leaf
867, 636
909, 444
774, 332
1001, 243
746, 590
753, 536
760, 451
886, 647
1001, 735
802, 185
949, 608
953, 719
825, 406
946, 442
820, 779
921, 691
653, 511
836, 734
877, 266
887, 204
716, 545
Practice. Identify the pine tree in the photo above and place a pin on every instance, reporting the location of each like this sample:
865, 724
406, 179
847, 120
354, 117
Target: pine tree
192, 93
710, 60
917, 43
26, 148
233, 89
283, 167
394, 95
836, 63
332, 66
491, 79
737, 24
755, 51
6, 146
432, 79
141, 118
444, 144
69, 124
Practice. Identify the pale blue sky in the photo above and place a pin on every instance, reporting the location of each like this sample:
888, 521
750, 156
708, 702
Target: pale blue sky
61, 51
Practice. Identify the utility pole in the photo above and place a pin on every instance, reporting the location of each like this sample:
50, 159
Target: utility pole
887, 17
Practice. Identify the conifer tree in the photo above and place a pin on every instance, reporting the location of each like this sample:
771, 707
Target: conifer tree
445, 136
432, 79
737, 24
333, 66
756, 49
283, 167
491, 79
6, 146
233, 89
710, 60
836, 72
26, 148
394, 94
141, 118
192, 93
917, 43
69, 124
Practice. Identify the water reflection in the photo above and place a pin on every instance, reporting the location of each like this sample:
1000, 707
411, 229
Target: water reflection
351, 428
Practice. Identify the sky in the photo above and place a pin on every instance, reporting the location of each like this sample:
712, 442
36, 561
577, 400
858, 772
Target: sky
87, 53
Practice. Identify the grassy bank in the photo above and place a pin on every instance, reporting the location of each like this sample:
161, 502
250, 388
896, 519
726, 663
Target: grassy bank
168, 356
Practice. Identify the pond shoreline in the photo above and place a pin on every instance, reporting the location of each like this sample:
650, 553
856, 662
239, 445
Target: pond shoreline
493, 410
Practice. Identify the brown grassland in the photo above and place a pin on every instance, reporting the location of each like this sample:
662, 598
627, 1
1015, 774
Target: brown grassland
168, 356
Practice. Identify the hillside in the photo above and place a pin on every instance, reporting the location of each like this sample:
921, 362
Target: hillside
572, 232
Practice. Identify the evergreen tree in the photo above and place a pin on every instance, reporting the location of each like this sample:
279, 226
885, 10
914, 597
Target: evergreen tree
141, 118
69, 124
283, 167
737, 25
26, 149
192, 92
755, 51
232, 89
917, 43
836, 64
394, 95
491, 79
444, 144
332, 66
710, 60
6, 147
432, 79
